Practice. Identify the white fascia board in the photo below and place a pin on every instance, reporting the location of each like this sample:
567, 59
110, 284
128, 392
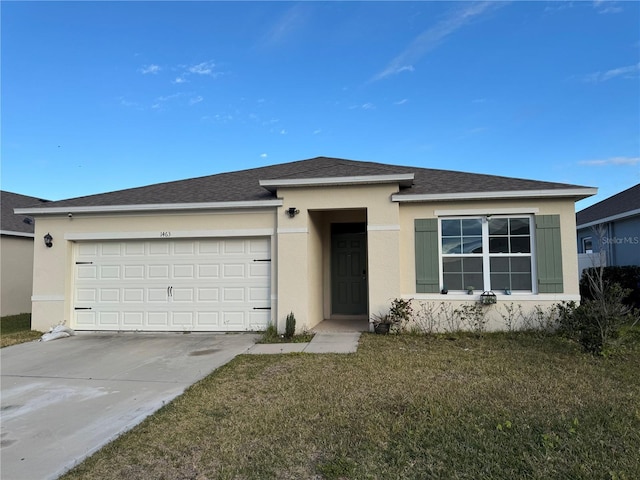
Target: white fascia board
440, 197
17, 234
486, 211
151, 207
404, 179
612, 218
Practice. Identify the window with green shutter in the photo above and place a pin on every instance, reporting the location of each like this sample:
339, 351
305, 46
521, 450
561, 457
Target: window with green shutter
493, 252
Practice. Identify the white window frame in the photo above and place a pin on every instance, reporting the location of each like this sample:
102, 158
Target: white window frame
486, 256
584, 245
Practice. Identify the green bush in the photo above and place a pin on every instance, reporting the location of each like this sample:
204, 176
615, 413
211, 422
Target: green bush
290, 327
597, 324
627, 277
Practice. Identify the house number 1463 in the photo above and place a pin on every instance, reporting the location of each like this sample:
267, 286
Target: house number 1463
165, 234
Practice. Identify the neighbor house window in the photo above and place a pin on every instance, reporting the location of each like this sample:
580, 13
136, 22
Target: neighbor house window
587, 245
491, 253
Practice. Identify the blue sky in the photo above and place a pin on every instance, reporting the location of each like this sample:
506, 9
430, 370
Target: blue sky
101, 96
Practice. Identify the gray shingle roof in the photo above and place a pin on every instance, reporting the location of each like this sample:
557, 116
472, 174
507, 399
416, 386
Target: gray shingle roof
11, 222
244, 185
620, 203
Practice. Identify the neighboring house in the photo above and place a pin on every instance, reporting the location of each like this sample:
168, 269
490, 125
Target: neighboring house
16, 254
609, 231
322, 238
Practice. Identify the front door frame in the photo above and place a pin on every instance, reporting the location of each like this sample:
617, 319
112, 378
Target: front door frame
357, 293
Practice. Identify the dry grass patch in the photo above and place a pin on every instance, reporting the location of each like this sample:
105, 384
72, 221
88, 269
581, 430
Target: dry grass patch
16, 329
401, 407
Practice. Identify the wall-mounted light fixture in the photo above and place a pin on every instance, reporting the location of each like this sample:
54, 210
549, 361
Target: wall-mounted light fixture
292, 211
48, 240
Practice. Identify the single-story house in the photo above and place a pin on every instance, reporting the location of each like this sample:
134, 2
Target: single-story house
609, 231
16, 254
322, 238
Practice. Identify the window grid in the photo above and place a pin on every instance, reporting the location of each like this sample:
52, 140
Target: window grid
501, 259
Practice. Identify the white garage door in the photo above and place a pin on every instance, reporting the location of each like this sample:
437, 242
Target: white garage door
173, 285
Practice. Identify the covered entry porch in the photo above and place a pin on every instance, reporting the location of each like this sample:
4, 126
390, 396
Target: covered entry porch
337, 264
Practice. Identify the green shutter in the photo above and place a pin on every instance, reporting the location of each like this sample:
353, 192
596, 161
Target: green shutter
427, 280
549, 254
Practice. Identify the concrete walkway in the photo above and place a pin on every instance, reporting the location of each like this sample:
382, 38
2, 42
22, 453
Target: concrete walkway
330, 342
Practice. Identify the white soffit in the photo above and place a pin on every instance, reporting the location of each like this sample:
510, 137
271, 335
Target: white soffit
440, 197
403, 179
150, 207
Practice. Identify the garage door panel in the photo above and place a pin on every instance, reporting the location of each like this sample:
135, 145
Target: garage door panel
259, 270
87, 272
157, 295
233, 270
208, 294
233, 294
87, 295
133, 319
86, 319
182, 319
158, 272
208, 247
184, 248
159, 248
158, 319
234, 247
134, 249
133, 295
233, 319
173, 285
110, 295
111, 250
133, 272
109, 272
257, 319
206, 320
186, 271
182, 295
259, 247
258, 294
208, 271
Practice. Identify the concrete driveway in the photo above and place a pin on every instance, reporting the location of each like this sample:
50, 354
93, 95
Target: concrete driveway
64, 399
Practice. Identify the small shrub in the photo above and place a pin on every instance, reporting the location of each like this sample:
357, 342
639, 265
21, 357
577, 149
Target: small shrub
452, 321
426, 319
511, 316
290, 327
400, 314
474, 316
597, 324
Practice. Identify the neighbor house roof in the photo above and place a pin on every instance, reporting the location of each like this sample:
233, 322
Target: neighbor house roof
256, 186
620, 205
16, 224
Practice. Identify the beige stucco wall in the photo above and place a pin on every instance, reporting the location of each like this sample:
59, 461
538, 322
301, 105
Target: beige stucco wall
16, 267
530, 303
53, 271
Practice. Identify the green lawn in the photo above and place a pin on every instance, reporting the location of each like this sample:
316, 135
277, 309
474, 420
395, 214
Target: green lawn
501, 407
16, 329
